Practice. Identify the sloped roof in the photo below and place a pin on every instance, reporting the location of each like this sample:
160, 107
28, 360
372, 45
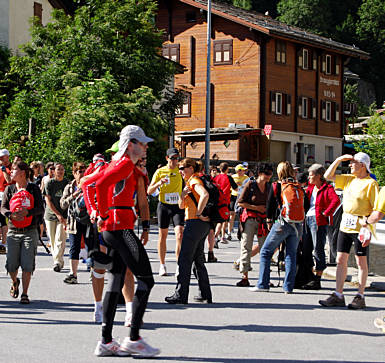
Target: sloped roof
267, 25
67, 5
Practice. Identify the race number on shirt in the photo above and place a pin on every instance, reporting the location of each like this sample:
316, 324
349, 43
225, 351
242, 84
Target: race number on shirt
171, 198
349, 221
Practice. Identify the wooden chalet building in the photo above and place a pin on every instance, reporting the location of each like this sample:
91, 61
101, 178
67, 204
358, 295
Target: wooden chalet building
263, 72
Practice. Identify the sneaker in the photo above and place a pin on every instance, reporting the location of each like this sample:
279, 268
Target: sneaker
98, 315
357, 303
127, 320
3, 250
257, 289
224, 241
333, 300
162, 270
57, 267
229, 237
112, 348
216, 243
243, 283
236, 265
313, 285
379, 323
139, 347
71, 279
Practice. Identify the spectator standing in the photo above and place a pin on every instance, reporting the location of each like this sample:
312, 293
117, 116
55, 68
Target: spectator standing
22, 204
360, 193
193, 199
240, 178
76, 228
5, 179
225, 182
281, 230
253, 200
169, 182
50, 168
323, 202
55, 216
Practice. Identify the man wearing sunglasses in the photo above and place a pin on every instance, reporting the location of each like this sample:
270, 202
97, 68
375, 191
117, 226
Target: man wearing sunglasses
168, 181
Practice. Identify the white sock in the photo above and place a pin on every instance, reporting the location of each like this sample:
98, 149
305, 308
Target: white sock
99, 305
129, 307
339, 294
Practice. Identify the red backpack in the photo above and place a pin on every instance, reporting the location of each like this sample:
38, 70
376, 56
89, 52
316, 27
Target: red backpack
292, 201
21, 199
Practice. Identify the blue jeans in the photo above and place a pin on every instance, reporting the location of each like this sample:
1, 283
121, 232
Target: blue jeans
315, 239
279, 233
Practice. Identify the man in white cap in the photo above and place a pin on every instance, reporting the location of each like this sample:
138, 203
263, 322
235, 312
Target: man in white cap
115, 216
360, 193
5, 179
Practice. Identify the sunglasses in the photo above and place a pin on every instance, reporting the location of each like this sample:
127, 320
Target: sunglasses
183, 167
51, 168
174, 158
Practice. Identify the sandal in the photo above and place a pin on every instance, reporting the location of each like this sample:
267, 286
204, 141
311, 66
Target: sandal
24, 299
14, 292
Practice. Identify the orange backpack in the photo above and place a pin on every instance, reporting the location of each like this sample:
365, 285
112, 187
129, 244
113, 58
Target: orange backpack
292, 196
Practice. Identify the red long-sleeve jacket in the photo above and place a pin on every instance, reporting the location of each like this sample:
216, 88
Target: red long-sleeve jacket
327, 202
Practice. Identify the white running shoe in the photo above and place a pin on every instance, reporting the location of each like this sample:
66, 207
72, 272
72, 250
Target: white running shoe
162, 270
139, 347
380, 323
224, 241
98, 315
112, 348
127, 320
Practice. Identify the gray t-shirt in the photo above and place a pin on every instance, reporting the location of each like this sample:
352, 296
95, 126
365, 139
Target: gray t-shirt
54, 189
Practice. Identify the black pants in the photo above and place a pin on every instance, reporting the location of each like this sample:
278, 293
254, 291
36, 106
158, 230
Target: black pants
127, 251
192, 252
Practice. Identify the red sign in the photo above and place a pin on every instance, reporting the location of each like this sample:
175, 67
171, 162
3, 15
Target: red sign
267, 129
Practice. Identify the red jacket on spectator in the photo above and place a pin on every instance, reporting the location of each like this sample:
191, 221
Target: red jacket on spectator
224, 183
327, 202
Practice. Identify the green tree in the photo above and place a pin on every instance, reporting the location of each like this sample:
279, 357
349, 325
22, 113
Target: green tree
370, 29
374, 145
85, 77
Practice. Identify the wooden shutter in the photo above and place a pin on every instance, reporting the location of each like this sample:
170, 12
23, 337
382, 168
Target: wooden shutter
323, 67
314, 108
300, 59
284, 104
337, 118
323, 110
38, 11
192, 60
333, 111
333, 64
299, 102
288, 105
166, 52
272, 102
310, 108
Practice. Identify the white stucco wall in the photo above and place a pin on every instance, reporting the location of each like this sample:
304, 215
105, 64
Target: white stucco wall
20, 13
320, 143
4, 22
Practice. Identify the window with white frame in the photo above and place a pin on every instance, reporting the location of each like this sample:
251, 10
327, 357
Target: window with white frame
280, 51
185, 109
329, 154
278, 103
305, 59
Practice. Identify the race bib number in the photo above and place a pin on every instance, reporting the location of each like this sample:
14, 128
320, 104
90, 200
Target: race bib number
349, 221
171, 198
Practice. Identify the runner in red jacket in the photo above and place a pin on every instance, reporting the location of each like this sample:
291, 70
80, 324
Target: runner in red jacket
115, 216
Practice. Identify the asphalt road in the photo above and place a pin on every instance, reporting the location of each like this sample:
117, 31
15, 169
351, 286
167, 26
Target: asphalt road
241, 326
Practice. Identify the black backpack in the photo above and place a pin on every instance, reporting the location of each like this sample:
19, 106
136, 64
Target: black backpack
79, 211
215, 209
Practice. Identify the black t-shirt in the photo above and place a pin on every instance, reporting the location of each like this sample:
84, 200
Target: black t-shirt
54, 189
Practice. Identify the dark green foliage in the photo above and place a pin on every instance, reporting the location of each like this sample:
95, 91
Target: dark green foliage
84, 78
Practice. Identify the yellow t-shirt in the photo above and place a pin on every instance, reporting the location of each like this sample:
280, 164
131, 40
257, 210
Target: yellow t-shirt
239, 180
169, 192
189, 205
379, 205
358, 200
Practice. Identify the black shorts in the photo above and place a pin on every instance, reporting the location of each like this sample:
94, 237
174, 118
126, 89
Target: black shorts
167, 212
3, 221
345, 241
233, 199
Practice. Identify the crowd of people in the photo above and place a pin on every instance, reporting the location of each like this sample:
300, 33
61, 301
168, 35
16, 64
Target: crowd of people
100, 205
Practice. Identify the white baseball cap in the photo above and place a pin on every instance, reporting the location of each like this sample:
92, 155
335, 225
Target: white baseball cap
127, 134
4, 152
363, 158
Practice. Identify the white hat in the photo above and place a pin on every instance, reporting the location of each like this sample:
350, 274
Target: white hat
363, 158
4, 152
245, 164
127, 134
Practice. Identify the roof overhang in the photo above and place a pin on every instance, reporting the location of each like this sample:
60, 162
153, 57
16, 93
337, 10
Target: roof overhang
220, 133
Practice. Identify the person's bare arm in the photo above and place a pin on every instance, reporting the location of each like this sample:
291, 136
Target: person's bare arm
330, 173
144, 209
